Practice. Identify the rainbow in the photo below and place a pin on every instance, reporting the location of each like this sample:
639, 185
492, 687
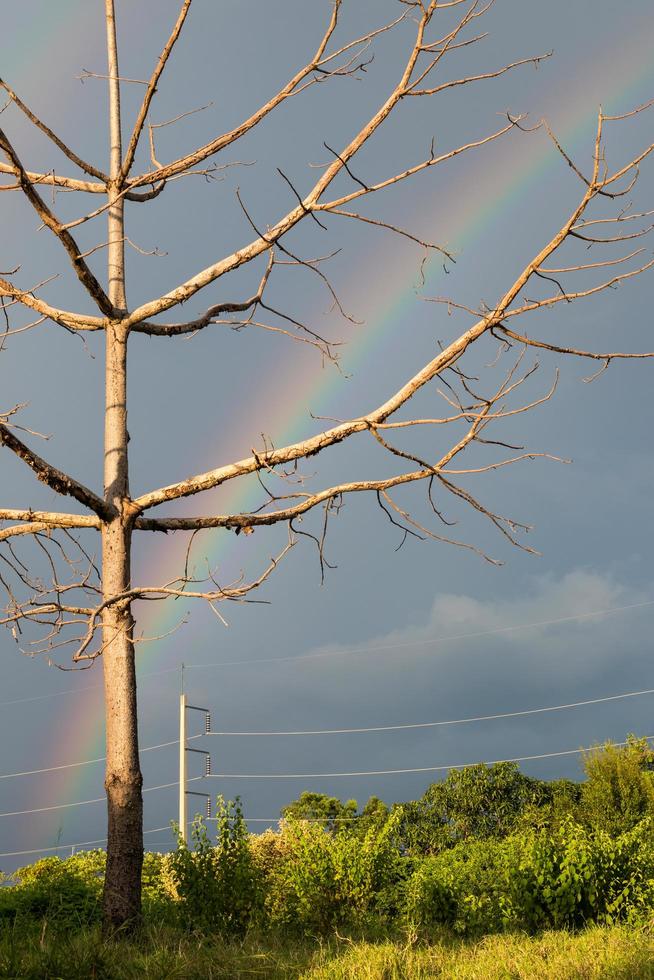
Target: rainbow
471, 208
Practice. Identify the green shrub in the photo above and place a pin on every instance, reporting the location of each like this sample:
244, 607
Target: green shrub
535, 880
480, 801
328, 811
573, 877
319, 880
462, 889
618, 791
158, 888
217, 887
66, 891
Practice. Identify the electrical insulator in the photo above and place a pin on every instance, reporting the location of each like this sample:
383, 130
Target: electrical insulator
208, 808
207, 722
207, 765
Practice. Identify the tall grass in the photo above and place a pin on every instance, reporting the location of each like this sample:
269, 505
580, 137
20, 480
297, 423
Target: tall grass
32, 952
617, 953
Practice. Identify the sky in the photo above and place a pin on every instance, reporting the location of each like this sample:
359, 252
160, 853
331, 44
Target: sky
427, 633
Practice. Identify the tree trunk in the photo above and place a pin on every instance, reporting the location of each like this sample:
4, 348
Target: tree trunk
123, 780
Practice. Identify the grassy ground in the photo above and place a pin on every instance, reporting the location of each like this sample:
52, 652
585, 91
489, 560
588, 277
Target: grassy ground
615, 953
36, 954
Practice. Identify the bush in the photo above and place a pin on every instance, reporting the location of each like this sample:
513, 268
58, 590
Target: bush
66, 891
217, 887
463, 889
480, 801
619, 788
536, 880
329, 811
574, 877
316, 880
158, 888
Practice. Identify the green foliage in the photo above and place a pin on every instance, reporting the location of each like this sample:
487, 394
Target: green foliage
217, 886
373, 817
322, 880
335, 816
619, 787
328, 811
575, 876
460, 889
536, 880
477, 802
486, 850
159, 894
66, 891
559, 800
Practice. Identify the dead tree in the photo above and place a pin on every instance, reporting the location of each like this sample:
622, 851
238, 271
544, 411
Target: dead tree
89, 610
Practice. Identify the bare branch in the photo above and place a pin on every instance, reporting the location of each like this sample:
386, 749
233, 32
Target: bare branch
310, 203
54, 180
214, 146
150, 91
34, 528
330, 437
85, 73
49, 518
631, 113
432, 161
568, 297
398, 231
54, 478
572, 351
592, 265
65, 149
72, 321
82, 270
191, 326
535, 60
177, 589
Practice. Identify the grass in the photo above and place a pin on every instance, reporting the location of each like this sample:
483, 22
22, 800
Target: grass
33, 952
618, 953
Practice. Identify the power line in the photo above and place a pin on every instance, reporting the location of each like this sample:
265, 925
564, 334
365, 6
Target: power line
304, 820
352, 650
60, 806
421, 643
343, 731
155, 830
452, 721
323, 775
86, 762
352, 731
80, 690
314, 775
100, 799
393, 772
65, 847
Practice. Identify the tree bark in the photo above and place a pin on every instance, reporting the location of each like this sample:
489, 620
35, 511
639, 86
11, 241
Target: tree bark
123, 780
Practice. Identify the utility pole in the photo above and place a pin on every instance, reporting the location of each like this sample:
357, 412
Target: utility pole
183, 749
183, 825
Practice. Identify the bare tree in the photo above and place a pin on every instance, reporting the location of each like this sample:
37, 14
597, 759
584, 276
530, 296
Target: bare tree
87, 610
